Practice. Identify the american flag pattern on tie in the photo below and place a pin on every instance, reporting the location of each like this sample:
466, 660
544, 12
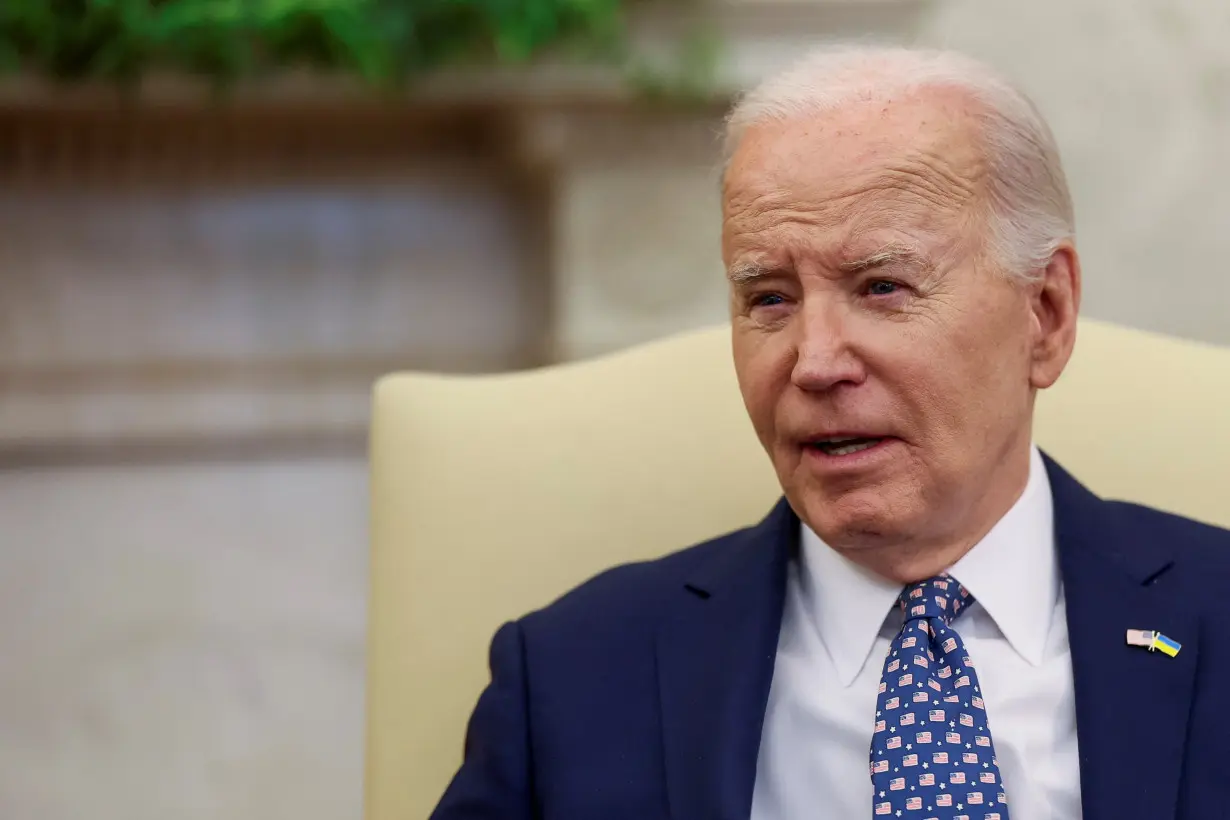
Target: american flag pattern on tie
931, 752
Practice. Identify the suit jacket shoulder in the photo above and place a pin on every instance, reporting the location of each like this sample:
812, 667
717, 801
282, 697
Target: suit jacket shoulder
1198, 541
1200, 552
628, 600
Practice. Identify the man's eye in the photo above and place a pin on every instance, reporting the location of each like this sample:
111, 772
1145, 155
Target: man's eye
882, 287
766, 299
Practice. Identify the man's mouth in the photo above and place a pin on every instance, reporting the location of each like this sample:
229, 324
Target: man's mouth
844, 445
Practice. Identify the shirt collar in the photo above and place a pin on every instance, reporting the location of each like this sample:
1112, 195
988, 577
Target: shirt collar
1011, 572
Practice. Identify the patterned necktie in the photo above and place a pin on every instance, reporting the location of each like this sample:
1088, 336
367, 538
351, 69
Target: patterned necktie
931, 753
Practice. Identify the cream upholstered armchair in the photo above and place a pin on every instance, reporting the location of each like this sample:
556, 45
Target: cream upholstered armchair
493, 495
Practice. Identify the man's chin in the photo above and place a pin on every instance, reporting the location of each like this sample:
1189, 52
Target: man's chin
861, 519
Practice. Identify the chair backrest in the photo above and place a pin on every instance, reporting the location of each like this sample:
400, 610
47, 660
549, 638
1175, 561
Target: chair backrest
492, 495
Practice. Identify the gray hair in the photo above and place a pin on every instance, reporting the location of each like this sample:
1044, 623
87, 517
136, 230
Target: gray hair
1030, 207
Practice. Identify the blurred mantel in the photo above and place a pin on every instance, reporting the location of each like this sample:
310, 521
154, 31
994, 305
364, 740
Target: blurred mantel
184, 274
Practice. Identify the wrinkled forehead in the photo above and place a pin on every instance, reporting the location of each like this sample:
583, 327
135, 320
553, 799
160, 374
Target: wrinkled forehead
914, 163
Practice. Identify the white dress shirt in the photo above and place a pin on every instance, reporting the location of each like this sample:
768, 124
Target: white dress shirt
838, 622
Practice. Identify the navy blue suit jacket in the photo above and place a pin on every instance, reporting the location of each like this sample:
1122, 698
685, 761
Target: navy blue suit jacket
641, 694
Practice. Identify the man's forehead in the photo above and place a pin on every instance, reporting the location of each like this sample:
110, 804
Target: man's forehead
930, 139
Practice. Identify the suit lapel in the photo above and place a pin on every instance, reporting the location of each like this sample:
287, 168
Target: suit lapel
1132, 705
716, 651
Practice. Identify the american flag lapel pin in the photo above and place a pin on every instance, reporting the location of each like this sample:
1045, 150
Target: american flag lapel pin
1153, 641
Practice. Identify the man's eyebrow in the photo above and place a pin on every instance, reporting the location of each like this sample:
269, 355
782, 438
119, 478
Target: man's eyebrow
884, 256
743, 273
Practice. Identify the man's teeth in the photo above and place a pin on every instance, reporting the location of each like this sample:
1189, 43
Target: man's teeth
851, 448
842, 448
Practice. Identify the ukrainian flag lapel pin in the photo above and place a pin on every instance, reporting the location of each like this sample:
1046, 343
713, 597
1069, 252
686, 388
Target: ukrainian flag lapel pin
1153, 641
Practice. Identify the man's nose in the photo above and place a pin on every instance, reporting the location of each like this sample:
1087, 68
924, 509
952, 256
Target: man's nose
826, 355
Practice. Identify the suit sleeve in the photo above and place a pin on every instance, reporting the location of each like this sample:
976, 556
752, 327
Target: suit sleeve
494, 781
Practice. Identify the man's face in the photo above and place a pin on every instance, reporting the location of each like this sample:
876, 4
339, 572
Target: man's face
866, 307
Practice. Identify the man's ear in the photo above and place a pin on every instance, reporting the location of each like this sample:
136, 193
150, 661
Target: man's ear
1055, 300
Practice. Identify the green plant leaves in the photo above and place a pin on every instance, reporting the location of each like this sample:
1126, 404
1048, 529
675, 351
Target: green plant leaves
378, 40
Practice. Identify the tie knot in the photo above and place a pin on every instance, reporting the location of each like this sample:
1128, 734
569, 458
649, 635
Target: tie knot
940, 597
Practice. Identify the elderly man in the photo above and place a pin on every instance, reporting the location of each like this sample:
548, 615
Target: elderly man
937, 621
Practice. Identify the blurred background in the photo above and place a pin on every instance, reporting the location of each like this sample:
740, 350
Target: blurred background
221, 220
